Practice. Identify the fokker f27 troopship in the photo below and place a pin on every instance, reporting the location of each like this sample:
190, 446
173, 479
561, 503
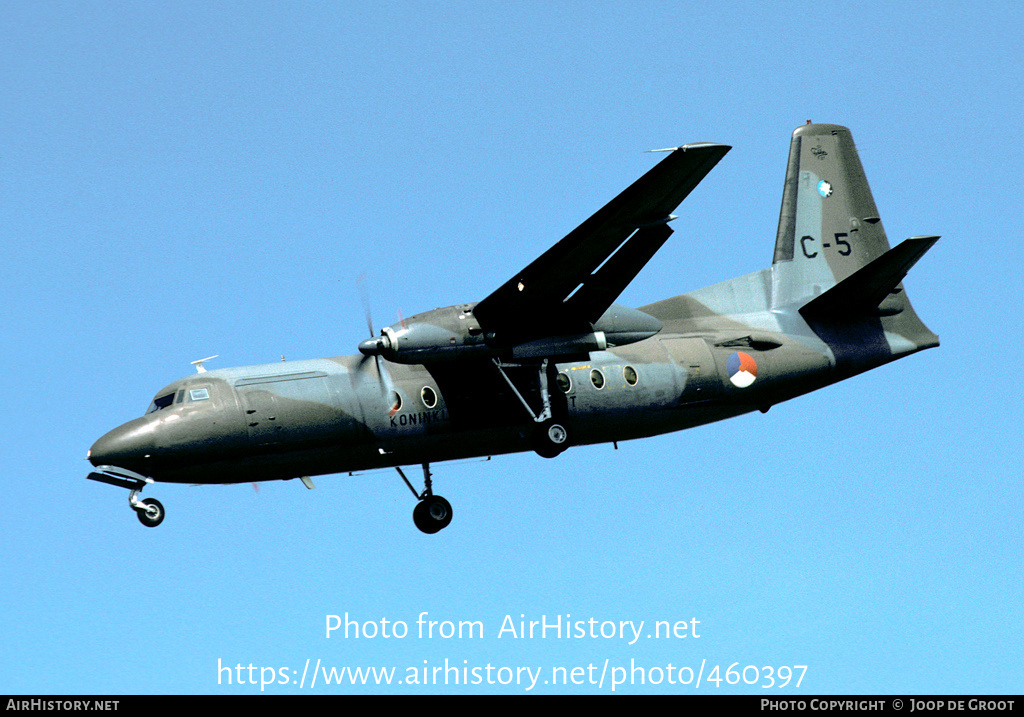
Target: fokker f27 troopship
548, 360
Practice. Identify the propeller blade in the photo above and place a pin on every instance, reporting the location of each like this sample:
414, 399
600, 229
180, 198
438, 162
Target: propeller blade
371, 347
365, 297
388, 393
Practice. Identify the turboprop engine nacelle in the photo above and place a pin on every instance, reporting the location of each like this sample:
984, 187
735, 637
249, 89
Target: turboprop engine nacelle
454, 333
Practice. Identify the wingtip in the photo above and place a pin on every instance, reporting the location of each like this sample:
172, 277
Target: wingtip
693, 146
706, 145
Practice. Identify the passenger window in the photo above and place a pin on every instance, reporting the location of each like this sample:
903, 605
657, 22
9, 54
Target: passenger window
597, 378
428, 397
563, 381
629, 373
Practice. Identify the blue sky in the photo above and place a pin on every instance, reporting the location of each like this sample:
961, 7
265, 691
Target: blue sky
186, 179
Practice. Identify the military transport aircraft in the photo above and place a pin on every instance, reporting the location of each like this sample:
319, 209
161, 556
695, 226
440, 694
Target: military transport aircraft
548, 360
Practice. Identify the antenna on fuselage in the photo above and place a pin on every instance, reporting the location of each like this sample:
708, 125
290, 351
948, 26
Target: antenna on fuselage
199, 364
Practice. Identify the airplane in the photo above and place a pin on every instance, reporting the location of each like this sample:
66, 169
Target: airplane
549, 361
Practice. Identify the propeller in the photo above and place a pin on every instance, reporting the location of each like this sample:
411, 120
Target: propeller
372, 348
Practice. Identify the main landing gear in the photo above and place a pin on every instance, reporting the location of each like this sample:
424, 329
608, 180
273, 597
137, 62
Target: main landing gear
150, 511
549, 437
432, 513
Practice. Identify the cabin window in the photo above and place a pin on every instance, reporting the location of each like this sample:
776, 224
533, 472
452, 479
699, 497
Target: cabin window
428, 397
563, 381
396, 402
597, 378
629, 373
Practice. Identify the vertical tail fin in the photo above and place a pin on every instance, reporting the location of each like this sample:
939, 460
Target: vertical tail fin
833, 261
829, 226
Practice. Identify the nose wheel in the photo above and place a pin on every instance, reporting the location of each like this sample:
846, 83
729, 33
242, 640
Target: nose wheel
432, 513
150, 511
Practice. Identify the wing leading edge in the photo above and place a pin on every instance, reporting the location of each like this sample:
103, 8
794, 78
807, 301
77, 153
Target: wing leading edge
574, 282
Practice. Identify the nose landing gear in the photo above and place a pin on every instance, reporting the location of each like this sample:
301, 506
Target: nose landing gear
149, 511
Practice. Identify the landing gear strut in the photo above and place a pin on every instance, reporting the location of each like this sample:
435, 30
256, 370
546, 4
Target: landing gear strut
150, 511
549, 437
432, 513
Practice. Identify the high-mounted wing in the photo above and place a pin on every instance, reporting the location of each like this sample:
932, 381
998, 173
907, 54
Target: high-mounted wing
573, 283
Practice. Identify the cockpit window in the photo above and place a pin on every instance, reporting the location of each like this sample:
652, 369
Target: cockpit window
160, 402
199, 394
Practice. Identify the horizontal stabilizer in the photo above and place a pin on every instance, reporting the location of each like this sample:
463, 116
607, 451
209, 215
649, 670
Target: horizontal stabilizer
863, 292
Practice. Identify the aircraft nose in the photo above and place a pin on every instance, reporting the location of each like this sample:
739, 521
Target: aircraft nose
128, 446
